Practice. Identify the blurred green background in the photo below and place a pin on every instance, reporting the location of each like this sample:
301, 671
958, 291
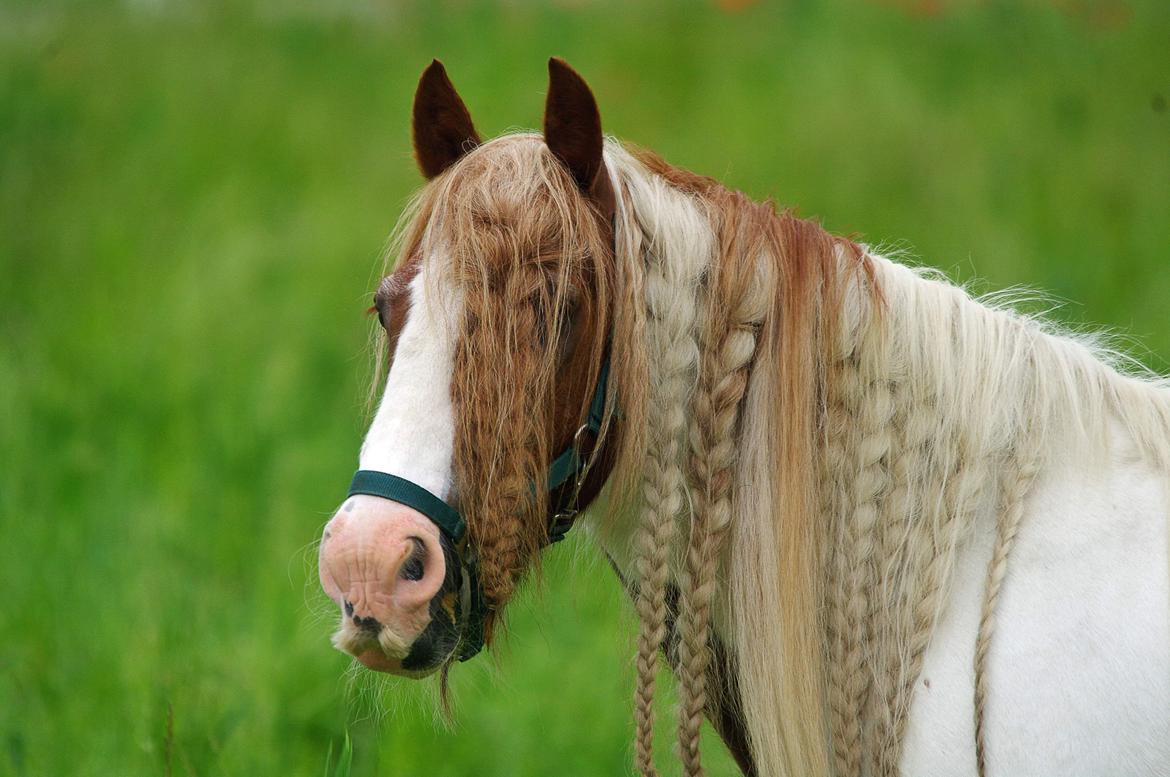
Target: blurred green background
193, 200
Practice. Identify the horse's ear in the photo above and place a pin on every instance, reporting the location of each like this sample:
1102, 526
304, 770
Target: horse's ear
442, 127
572, 123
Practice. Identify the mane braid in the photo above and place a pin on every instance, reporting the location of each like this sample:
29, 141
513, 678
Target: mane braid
675, 257
1016, 478
914, 422
741, 295
866, 409
932, 558
837, 501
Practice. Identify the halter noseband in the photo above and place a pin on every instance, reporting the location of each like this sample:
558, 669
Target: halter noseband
569, 464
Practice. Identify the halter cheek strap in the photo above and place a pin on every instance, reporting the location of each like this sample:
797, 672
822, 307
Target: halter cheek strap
569, 464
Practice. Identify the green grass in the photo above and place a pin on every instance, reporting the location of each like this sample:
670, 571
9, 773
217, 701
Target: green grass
193, 199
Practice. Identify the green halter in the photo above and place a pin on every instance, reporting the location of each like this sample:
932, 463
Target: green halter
569, 464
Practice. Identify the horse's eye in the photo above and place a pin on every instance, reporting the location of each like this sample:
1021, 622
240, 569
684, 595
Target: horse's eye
378, 308
389, 292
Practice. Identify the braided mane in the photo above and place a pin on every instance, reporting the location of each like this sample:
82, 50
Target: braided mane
825, 428
755, 277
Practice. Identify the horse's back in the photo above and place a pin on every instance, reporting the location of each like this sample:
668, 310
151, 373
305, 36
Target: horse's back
1079, 669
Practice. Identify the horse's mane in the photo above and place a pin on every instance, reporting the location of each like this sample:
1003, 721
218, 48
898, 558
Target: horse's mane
850, 417
819, 426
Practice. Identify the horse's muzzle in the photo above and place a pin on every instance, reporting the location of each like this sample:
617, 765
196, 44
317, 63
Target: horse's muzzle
394, 581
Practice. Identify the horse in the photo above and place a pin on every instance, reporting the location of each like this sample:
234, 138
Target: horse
876, 526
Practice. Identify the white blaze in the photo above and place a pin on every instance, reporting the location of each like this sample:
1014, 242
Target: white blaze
413, 433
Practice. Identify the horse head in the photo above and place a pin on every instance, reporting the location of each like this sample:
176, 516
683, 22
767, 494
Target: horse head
493, 429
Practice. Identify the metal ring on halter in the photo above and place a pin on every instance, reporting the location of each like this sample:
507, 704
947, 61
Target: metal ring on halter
562, 521
473, 610
585, 464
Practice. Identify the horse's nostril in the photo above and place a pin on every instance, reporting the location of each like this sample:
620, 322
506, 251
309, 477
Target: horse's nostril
370, 624
412, 568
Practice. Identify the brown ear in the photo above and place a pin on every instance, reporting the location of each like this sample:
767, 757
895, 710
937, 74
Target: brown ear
442, 127
572, 124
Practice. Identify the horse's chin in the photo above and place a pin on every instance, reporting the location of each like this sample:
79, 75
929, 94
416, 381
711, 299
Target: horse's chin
389, 652
378, 661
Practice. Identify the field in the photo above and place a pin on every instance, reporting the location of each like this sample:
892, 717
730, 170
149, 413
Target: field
193, 202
